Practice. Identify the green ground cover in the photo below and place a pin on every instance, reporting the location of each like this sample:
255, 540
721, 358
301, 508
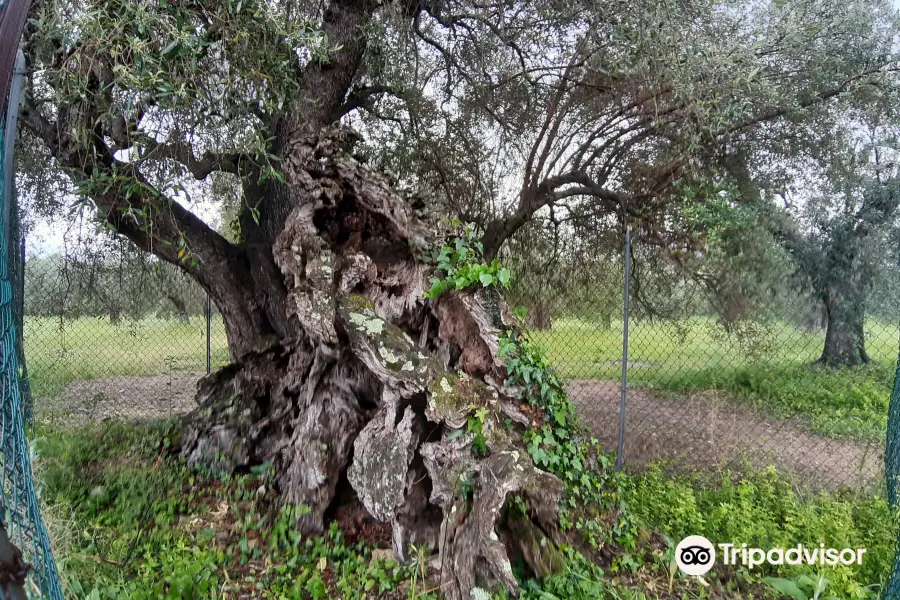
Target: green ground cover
129, 520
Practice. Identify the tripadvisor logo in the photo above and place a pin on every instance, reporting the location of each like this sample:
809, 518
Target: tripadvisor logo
696, 555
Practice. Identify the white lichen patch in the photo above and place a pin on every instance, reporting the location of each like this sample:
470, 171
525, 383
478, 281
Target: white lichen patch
381, 459
388, 356
371, 325
494, 537
445, 385
407, 366
478, 593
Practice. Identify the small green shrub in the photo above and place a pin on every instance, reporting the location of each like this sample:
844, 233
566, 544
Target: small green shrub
460, 261
763, 511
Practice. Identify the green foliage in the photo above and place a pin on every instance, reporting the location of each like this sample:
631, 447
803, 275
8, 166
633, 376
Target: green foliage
129, 521
460, 263
581, 580
803, 587
475, 424
763, 511
559, 444
168, 52
614, 509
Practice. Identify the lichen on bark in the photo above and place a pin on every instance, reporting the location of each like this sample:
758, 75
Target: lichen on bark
378, 386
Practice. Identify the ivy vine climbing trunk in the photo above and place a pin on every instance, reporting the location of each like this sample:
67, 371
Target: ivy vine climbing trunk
377, 386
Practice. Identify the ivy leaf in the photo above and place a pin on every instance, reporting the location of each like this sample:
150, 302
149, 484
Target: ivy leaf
486, 279
503, 276
560, 415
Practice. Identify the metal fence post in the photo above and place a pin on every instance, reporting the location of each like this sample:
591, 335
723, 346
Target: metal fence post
621, 450
208, 330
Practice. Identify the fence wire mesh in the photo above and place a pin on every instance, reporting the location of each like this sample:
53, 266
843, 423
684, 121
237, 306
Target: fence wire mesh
892, 479
19, 510
716, 380
111, 332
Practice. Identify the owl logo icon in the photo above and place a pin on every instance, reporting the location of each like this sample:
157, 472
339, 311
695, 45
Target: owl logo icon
695, 555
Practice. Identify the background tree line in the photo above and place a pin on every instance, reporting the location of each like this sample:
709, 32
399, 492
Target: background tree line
115, 283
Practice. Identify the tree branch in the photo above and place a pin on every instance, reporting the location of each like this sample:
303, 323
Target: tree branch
364, 97
182, 153
152, 221
820, 97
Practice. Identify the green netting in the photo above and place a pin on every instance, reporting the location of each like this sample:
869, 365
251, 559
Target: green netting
892, 476
19, 509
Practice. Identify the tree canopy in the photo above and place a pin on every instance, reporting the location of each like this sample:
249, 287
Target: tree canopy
496, 109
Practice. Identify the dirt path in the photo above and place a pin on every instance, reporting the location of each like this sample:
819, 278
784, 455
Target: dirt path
699, 432
704, 431
126, 398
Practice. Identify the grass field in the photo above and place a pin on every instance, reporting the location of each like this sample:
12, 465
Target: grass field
775, 374
92, 348
689, 356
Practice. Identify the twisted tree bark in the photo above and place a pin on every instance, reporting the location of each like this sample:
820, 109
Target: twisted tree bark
377, 385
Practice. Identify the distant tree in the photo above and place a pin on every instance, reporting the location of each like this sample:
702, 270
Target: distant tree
566, 265
838, 233
101, 276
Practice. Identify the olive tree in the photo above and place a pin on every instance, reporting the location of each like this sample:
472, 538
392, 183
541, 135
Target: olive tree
343, 370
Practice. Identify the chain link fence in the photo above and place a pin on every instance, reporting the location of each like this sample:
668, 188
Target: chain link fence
713, 379
111, 332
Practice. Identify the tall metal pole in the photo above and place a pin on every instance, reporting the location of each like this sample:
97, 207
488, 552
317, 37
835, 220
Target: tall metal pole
208, 330
620, 453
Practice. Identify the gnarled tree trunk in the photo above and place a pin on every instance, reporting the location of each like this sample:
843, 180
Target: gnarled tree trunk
365, 379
